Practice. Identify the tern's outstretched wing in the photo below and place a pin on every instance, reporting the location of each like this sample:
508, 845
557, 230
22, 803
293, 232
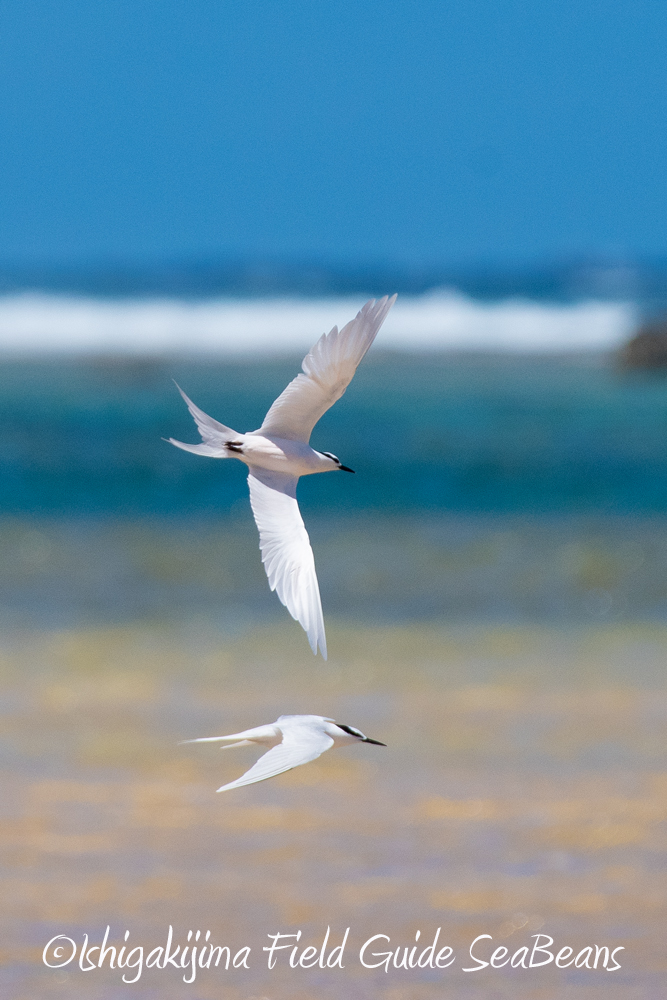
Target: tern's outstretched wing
328, 369
214, 435
286, 552
299, 747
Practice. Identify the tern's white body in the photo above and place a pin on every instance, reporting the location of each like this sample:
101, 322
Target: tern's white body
279, 453
292, 740
292, 458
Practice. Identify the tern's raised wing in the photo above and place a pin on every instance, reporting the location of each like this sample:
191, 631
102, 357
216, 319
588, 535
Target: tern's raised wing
298, 747
327, 371
286, 552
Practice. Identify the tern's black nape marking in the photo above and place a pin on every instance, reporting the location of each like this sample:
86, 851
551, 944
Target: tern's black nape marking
351, 731
342, 468
236, 446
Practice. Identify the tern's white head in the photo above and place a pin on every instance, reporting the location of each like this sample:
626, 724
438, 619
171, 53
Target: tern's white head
336, 462
343, 734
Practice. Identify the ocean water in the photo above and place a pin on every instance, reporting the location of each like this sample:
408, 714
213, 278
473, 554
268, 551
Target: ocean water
426, 432
494, 582
487, 487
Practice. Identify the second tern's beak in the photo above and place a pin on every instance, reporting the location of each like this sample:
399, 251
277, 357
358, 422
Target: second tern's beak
376, 742
344, 468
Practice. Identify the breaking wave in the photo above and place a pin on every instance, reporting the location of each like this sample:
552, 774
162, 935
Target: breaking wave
36, 323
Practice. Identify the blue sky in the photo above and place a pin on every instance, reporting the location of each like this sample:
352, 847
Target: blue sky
423, 132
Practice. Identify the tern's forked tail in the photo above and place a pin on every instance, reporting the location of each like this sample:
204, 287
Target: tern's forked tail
215, 436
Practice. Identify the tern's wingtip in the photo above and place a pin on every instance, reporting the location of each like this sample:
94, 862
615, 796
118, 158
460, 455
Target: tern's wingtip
317, 644
185, 397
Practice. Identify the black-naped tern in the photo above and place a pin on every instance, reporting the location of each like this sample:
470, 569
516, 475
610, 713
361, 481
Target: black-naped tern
279, 453
293, 740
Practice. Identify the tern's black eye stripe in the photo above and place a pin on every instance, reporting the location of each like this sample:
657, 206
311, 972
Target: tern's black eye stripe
348, 729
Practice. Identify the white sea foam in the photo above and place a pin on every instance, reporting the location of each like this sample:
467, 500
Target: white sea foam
35, 323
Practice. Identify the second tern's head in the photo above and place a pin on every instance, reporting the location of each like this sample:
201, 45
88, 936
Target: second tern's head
357, 734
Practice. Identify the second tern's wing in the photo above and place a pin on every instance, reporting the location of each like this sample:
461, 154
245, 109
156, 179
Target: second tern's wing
327, 371
298, 747
286, 553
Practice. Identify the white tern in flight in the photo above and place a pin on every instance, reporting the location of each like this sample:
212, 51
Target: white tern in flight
293, 740
279, 453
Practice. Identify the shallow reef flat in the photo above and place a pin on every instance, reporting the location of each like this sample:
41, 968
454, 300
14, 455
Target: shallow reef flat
374, 570
523, 790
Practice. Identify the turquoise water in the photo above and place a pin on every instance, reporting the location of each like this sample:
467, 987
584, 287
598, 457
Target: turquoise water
473, 433
488, 488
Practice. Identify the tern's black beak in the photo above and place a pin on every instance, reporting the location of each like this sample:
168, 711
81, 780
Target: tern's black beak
344, 468
376, 742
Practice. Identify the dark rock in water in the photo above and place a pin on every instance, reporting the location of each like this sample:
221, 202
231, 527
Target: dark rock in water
648, 348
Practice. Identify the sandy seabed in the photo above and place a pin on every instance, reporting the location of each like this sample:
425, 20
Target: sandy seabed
523, 791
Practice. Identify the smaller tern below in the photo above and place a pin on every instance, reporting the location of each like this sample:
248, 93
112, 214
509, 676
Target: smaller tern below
279, 453
293, 740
